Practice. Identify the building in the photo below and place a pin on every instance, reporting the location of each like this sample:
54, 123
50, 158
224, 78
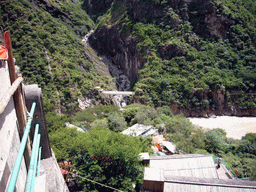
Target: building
192, 172
139, 130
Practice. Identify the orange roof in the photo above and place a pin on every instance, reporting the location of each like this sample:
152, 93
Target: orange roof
158, 146
3, 53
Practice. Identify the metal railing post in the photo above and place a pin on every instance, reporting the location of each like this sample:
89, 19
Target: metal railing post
35, 164
229, 168
39, 161
17, 164
33, 160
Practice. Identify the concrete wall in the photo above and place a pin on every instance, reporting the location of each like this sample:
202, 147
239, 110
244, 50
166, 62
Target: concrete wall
51, 178
54, 179
33, 93
9, 137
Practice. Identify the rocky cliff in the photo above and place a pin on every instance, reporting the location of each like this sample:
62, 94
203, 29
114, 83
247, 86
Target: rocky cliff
223, 103
121, 49
112, 40
192, 40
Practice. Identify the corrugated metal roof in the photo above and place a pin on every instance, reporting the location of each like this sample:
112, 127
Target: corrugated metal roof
137, 130
193, 172
170, 146
186, 165
181, 184
144, 156
153, 174
149, 133
179, 156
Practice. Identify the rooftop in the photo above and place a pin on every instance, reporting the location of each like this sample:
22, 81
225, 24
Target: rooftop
177, 184
139, 130
192, 172
201, 166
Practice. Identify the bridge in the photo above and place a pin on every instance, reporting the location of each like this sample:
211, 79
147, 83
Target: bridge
127, 93
119, 97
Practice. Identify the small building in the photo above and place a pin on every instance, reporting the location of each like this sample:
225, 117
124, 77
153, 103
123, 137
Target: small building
180, 184
193, 184
190, 165
191, 172
144, 158
139, 130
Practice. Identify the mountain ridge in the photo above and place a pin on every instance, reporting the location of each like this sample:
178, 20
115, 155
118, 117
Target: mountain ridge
46, 38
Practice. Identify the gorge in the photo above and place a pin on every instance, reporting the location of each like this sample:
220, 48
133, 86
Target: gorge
180, 58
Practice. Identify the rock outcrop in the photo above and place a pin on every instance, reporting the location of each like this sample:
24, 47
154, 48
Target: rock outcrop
221, 104
210, 21
120, 50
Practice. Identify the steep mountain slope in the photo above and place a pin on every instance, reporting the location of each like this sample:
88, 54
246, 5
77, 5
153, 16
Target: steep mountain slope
46, 38
197, 56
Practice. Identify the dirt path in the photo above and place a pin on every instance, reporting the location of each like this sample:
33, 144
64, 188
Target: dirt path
236, 127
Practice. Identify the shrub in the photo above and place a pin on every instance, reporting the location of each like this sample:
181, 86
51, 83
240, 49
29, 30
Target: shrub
116, 122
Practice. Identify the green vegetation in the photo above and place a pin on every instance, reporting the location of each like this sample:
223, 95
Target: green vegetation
47, 47
96, 116
112, 159
105, 155
102, 155
185, 63
187, 59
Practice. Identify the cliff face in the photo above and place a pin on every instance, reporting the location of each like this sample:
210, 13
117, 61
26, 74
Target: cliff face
223, 103
46, 39
96, 8
121, 49
182, 47
209, 21
117, 44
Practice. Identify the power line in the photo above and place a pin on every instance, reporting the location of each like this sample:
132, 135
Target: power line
98, 183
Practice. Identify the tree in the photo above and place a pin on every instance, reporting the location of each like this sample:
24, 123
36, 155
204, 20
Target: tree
146, 116
214, 140
63, 143
116, 122
186, 137
110, 158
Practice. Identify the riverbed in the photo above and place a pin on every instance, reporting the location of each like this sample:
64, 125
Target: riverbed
236, 127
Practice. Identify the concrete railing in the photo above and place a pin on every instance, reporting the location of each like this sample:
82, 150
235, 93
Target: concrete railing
16, 134
33, 93
16, 169
8, 95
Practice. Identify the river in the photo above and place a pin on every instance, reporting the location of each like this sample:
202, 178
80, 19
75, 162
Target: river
236, 127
